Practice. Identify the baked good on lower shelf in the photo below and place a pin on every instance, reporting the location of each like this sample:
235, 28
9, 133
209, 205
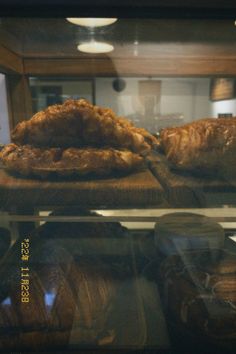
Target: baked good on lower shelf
103, 239
179, 232
199, 295
66, 294
75, 296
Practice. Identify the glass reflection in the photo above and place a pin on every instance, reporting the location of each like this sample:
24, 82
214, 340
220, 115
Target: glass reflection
49, 298
6, 301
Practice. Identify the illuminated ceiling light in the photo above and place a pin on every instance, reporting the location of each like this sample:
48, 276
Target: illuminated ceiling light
95, 47
92, 22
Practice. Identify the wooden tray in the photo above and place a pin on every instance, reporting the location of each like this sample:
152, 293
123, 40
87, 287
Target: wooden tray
183, 189
137, 190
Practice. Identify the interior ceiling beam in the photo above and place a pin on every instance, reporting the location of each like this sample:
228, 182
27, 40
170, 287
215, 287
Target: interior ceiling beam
180, 66
10, 62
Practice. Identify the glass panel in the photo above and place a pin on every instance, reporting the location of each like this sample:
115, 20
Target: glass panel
117, 215
164, 102
48, 91
161, 103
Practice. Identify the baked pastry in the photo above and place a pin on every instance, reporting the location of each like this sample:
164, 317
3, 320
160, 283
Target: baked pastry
106, 240
71, 295
76, 139
79, 123
176, 233
199, 294
206, 145
43, 162
63, 298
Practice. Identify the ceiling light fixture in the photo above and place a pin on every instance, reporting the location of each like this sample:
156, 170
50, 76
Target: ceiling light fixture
91, 22
94, 47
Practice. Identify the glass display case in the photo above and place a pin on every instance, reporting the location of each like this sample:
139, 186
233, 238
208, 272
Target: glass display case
117, 178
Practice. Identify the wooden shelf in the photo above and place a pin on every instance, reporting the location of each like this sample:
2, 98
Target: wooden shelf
185, 190
138, 190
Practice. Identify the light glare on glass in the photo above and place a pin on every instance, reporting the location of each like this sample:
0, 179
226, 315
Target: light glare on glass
91, 22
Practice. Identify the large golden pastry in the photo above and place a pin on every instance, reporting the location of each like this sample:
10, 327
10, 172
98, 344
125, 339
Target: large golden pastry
43, 162
206, 145
76, 138
79, 123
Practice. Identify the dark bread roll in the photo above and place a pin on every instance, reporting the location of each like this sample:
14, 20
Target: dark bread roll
86, 238
176, 233
199, 294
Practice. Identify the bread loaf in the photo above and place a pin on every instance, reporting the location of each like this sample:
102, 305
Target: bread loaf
71, 294
206, 145
199, 293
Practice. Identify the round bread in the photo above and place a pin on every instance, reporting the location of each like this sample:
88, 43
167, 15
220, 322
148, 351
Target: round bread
199, 294
100, 239
179, 232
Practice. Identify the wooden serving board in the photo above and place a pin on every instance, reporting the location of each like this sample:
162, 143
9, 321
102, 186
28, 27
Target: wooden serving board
183, 189
137, 190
